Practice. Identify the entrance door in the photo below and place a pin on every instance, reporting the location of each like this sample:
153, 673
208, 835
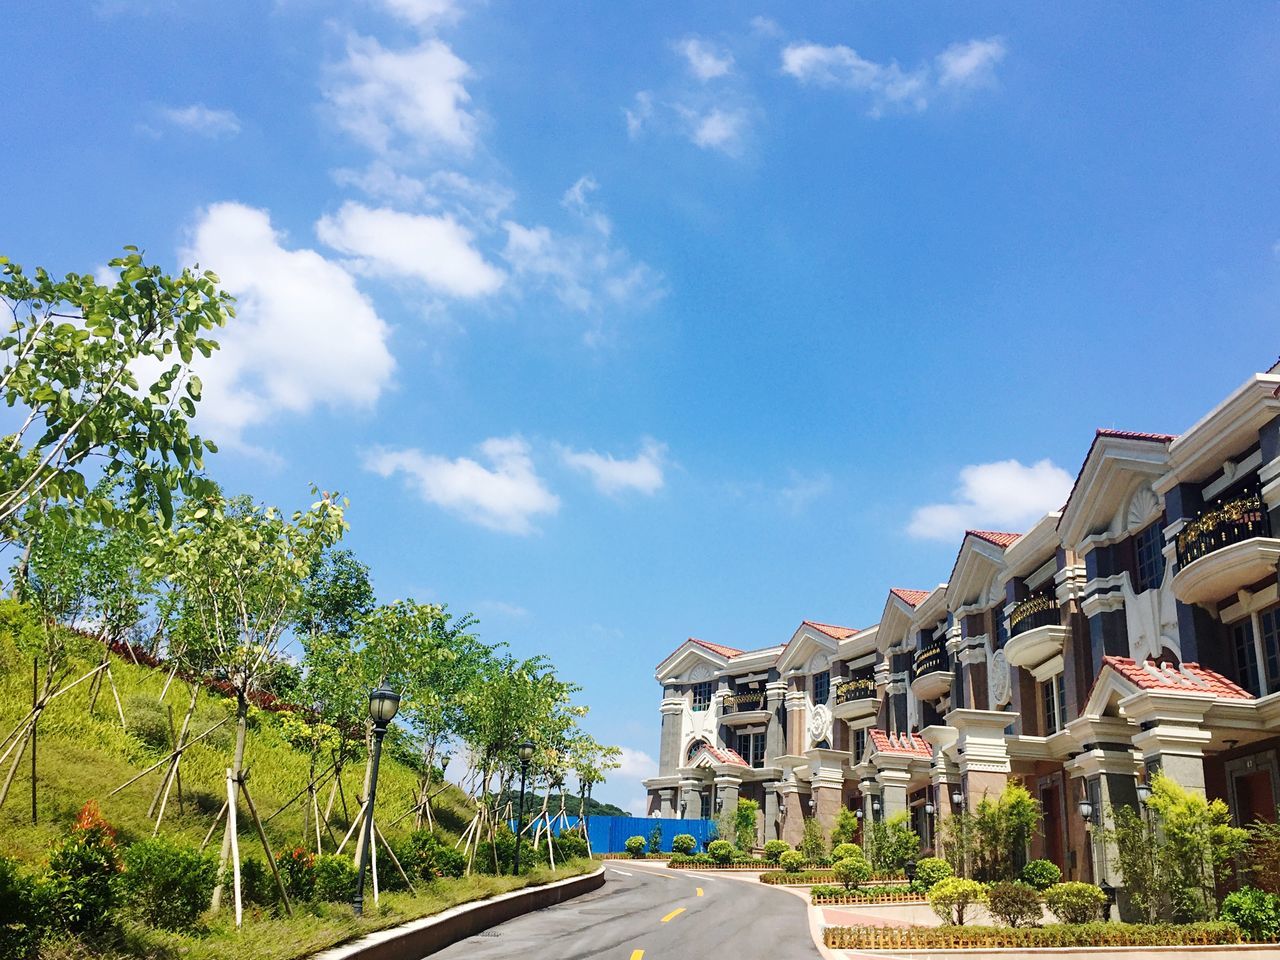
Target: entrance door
1255, 797
1054, 827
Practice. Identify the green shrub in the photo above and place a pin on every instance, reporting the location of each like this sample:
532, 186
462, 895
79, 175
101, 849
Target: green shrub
842, 850
148, 721
570, 845
871, 893
773, 849
744, 824
1041, 874
853, 870
425, 856
298, 873
930, 870
683, 843
813, 844
1053, 935
721, 851
635, 846
847, 827
22, 911
655, 839
256, 883
167, 884
891, 843
335, 878
82, 872
1254, 911
1017, 904
1075, 902
792, 861
950, 898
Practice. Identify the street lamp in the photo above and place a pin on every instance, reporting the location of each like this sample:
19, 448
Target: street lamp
684, 806
1144, 793
813, 805
1086, 810
525, 752
858, 813
928, 808
909, 870
957, 799
875, 806
383, 704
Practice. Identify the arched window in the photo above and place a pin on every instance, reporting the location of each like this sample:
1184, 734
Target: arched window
693, 750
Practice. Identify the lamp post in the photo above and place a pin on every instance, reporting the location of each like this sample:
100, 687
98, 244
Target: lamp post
1092, 816
383, 704
928, 823
525, 752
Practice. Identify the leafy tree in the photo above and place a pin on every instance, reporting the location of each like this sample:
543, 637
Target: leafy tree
336, 595
847, 827
744, 824
891, 843
1002, 829
813, 842
74, 353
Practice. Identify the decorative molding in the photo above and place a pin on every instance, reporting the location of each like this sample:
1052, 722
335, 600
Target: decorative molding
999, 678
1144, 505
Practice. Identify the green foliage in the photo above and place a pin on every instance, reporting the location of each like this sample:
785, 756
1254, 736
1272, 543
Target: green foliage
842, 850
952, 897
635, 846
882, 893
813, 843
655, 839
22, 910
82, 872
930, 870
1002, 829
744, 824
854, 869
683, 843
1041, 874
572, 845
297, 868
1263, 857
891, 843
73, 353
846, 828
1054, 935
1075, 902
721, 850
1017, 904
792, 861
774, 849
167, 884
336, 878
256, 883
1254, 911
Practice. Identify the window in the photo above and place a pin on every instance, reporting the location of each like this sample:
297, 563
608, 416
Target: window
702, 695
859, 745
1148, 546
751, 748
1246, 661
1269, 621
1053, 699
822, 687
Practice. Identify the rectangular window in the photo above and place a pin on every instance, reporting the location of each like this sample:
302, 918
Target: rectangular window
821, 687
1246, 661
1053, 701
1148, 547
751, 748
859, 745
1269, 621
702, 695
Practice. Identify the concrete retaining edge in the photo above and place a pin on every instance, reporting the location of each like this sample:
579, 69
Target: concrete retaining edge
418, 938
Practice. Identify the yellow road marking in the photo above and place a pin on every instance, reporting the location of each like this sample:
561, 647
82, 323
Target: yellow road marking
637, 955
699, 889
673, 914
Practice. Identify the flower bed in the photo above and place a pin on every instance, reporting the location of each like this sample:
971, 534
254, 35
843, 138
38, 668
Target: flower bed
826, 895
1053, 935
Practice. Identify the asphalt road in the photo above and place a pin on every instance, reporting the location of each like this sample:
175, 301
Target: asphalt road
652, 913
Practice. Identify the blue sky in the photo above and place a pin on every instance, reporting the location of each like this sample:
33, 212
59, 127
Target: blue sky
622, 323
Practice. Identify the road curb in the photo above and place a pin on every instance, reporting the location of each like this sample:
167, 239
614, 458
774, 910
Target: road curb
418, 938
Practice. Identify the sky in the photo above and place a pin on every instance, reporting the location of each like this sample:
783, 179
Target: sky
623, 323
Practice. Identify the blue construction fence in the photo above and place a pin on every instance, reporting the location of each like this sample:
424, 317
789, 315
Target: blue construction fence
610, 834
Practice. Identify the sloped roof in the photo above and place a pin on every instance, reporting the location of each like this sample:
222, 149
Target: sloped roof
912, 598
1135, 435
717, 647
1184, 678
907, 744
722, 755
1002, 540
831, 630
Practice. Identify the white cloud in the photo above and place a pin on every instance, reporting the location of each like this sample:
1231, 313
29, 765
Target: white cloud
303, 334
635, 765
803, 490
472, 201
410, 99
704, 60
765, 27
642, 473
623, 786
719, 130
423, 13
434, 249
202, 120
505, 496
1006, 495
639, 117
963, 65
970, 64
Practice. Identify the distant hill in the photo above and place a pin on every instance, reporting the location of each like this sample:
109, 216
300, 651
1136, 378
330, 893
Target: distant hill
533, 803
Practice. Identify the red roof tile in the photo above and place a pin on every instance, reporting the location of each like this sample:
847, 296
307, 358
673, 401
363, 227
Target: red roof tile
1134, 435
902, 743
912, 598
717, 648
1002, 540
721, 755
1187, 678
831, 630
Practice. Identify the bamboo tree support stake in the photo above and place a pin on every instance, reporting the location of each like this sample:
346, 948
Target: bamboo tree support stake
35, 699
213, 826
354, 823
115, 693
266, 845
392, 854
166, 759
373, 863
234, 845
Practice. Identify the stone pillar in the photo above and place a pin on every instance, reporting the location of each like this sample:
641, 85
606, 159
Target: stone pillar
667, 802
793, 812
1108, 762
1173, 735
727, 793
775, 733
691, 797
893, 781
797, 715
828, 796
669, 748
772, 813
984, 758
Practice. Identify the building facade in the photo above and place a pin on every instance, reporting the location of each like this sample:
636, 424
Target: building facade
1135, 629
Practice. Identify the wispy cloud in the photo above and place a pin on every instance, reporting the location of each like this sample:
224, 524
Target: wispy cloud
202, 120
1006, 495
611, 475
705, 61
803, 490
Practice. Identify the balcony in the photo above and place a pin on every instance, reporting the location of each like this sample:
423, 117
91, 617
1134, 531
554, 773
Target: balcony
932, 673
1226, 548
856, 697
1038, 610
744, 708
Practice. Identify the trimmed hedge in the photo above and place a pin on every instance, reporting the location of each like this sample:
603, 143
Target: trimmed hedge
808, 878
826, 895
1053, 935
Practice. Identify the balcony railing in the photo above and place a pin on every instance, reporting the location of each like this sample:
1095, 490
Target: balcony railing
858, 686
931, 657
1038, 610
742, 702
1222, 524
